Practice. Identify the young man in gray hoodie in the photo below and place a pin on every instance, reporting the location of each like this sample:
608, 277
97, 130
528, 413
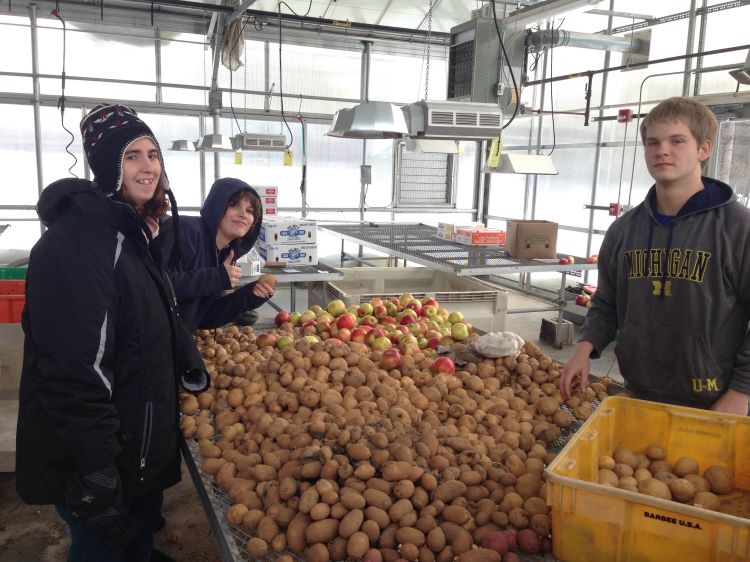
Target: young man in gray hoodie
674, 277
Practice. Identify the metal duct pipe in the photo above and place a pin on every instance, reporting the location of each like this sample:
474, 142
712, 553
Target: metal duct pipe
560, 38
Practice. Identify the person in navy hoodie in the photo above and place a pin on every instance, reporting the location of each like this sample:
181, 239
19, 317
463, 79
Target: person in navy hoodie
227, 229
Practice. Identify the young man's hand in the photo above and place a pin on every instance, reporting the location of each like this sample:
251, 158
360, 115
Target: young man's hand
576, 370
732, 402
233, 271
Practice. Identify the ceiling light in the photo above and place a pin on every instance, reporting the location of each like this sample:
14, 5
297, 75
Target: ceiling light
369, 120
523, 164
183, 146
215, 142
742, 75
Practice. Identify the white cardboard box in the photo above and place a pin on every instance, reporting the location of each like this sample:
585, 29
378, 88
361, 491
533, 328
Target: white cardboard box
288, 230
291, 254
447, 231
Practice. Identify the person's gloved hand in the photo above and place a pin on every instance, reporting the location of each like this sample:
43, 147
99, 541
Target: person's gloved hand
96, 500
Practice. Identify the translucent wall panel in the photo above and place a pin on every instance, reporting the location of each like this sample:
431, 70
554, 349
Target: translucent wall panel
401, 79
559, 130
183, 168
250, 76
570, 94
21, 234
98, 55
465, 175
17, 40
312, 71
17, 155
333, 169
380, 157
561, 198
185, 60
507, 194
571, 243
56, 162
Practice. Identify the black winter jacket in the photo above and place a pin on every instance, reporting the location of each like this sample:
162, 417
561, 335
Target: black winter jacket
102, 351
201, 278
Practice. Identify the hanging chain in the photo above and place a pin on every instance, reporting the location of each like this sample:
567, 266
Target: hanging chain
429, 37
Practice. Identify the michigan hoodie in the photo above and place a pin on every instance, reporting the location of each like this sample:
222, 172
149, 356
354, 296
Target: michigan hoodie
678, 291
200, 278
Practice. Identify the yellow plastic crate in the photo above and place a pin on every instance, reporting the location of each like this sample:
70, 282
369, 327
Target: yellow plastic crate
596, 523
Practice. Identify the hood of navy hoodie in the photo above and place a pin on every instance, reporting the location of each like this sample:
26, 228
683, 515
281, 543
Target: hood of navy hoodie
213, 210
714, 194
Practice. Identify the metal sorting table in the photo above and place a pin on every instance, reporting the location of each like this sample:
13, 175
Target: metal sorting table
420, 243
294, 274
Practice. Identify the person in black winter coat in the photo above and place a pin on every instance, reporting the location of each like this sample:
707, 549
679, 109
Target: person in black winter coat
209, 245
104, 349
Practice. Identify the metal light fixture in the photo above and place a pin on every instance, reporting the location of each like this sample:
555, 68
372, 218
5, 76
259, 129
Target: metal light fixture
540, 164
369, 120
183, 145
742, 75
432, 146
259, 142
215, 142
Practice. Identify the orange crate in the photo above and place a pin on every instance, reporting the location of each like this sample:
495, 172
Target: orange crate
11, 307
12, 287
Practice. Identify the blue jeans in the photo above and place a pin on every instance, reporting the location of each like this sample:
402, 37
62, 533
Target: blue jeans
87, 546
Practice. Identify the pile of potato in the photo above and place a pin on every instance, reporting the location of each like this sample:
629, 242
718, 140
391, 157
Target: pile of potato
328, 455
649, 473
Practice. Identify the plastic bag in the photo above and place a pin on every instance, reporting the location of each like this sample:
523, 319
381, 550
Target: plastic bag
498, 344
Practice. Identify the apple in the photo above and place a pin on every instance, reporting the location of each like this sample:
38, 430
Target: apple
404, 299
414, 305
311, 338
375, 301
294, 318
346, 320
323, 326
402, 329
430, 300
336, 307
592, 259
583, 299
459, 331
317, 309
564, 261
422, 342
334, 341
455, 316
374, 334
309, 329
388, 320
358, 335
381, 343
284, 341
282, 317
365, 328
344, 334
325, 317
307, 316
368, 320
265, 340
447, 340
442, 313
571, 260
379, 312
406, 319
433, 342
391, 309
429, 310
388, 326
390, 359
443, 365
365, 309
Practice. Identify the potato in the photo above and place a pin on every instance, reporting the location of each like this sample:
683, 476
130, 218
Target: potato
497, 541
357, 545
268, 279
699, 483
608, 478
720, 479
407, 535
256, 547
236, 513
682, 490
396, 470
684, 466
296, 532
448, 491
627, 456
528, 541
479, 555
321, 531
656, 452
706, 500
351, 523
656, 488
189, 405
436, 540
607, 463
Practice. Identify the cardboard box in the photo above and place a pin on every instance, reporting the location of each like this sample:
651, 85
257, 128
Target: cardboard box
289, 230
480, 237
291, 254
528, 239
446, 230
264, 190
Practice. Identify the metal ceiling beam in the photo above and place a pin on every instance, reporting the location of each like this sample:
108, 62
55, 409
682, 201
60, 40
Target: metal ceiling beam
435, 4
329, 9
384, 12
239, 10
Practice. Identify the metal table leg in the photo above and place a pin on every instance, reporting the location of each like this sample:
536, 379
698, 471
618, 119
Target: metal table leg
292, 294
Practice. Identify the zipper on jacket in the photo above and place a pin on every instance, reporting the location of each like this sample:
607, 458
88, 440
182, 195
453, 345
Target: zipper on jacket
148, 418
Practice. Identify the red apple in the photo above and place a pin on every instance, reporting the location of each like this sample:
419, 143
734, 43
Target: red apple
368, 320
265, 340
443, 365
309, 329
344, 334
388, 320
282, 317
433, 342
375, 302
403, 329
379, 312
564, 261
323, 326
442, 313
592, 259
414, 305
346, 320
406, 319
390, 359
429, 310
358, 335
429, 301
